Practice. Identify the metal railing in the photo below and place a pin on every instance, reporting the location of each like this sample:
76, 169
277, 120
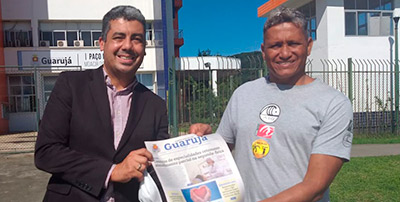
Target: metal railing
23, 96
369, 84
201, 95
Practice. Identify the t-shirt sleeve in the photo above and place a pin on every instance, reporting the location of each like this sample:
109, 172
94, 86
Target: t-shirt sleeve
336, 133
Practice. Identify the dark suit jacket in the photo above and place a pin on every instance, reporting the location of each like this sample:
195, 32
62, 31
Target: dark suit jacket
75, 141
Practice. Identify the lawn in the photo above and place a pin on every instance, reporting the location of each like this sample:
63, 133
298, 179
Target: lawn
382, 138
368, 179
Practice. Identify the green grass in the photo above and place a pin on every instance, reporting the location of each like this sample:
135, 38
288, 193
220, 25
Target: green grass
383, 138
368, 179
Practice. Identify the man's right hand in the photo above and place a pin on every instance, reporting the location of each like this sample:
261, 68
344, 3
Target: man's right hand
200, 129
132, 166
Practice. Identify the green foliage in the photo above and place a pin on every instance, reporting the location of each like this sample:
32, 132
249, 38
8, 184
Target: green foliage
198, 101
208, 108
206, 52
368, 179
251, 60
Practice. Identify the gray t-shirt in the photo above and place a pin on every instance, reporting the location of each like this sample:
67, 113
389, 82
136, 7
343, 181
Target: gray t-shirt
275, 129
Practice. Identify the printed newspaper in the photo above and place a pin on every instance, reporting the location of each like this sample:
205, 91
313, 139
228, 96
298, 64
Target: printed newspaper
196, 169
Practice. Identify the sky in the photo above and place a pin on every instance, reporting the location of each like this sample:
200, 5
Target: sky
225, 27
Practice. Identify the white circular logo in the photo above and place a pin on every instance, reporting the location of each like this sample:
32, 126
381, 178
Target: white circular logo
270, 113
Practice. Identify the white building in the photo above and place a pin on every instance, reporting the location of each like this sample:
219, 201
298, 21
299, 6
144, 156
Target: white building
208, 63
54, 36
358, 29
342, 29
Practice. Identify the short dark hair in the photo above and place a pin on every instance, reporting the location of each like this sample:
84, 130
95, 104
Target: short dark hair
125, 12
283, 14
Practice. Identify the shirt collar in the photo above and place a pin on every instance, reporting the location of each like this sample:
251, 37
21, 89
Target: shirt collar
129, 88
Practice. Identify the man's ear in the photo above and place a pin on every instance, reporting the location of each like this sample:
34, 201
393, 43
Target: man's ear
262, 50
101, 42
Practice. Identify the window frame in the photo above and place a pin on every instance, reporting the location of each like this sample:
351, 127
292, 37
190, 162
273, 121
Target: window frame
17, 101
368, 12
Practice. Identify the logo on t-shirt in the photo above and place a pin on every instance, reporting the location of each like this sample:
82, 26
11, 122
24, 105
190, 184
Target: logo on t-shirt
265, 131
270, 113
348, 137
260, 148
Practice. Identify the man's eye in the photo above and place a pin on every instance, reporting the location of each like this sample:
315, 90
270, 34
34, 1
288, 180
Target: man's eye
275, 46
139, 40
294, 43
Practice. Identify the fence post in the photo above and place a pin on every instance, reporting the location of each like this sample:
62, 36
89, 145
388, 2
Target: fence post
210, 84
350, 78
36, 81
396, 81
172, 99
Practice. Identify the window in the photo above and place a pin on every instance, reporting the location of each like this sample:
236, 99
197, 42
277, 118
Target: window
96, 35
86, 36
69, 31
17, 34
149, 31
22, 93
309, 11
154, 31
58, 35
48, 85
368, 17
70, 36
47, 36
17, 38
146, 80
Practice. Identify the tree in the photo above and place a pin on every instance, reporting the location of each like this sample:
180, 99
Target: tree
204, 52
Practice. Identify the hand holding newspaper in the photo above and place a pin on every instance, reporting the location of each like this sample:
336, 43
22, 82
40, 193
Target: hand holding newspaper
196, 169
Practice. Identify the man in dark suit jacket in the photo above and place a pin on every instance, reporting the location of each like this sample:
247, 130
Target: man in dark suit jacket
91, 137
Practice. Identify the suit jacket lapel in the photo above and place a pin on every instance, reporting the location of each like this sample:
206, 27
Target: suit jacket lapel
98, 90
137, 105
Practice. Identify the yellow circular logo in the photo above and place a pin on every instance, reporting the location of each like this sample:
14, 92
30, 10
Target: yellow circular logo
260, 148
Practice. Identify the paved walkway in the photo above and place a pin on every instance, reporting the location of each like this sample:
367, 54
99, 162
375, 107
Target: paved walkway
362, 150
17, 171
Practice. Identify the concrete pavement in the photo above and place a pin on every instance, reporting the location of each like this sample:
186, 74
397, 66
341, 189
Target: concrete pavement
363, 150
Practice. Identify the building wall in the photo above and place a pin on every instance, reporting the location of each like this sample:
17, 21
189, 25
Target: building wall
331, 42
36, 13
332, 48
214, 62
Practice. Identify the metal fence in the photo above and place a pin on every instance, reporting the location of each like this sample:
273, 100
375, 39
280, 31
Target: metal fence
368, 83
199, 101
202, 95
24, 91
